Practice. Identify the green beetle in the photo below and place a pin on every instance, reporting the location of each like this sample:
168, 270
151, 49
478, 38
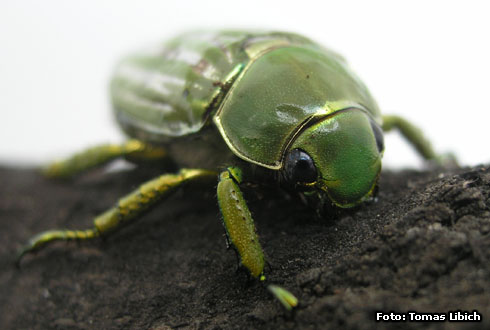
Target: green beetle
246, 107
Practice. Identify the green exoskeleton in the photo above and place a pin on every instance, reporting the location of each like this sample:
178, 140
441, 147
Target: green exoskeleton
248, 107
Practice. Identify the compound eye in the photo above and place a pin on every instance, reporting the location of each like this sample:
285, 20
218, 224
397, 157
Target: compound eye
299, 167
378, 135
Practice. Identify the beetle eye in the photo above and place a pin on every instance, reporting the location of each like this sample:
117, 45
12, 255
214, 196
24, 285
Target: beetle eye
378, 135
299, 167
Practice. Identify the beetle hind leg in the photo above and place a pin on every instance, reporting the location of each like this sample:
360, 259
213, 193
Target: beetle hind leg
133, 150
126, 210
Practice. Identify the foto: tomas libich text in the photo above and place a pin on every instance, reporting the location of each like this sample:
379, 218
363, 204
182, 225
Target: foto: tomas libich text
413, 316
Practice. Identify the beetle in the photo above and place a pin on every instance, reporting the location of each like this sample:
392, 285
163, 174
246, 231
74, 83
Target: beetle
249, 107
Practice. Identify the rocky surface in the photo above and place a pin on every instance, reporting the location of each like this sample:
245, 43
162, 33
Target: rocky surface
423, 245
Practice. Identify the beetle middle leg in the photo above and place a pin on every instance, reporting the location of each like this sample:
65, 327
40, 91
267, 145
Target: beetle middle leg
412, 133
127, 209
238, 222
133, 150
416, 138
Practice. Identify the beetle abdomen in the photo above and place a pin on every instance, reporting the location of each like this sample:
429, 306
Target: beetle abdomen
173, 89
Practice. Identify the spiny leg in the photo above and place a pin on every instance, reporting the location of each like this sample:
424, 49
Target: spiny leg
241, 233
238, 222
127, 208
100, 155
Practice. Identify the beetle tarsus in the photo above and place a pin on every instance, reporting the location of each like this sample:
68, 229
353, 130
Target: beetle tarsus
286, 298
42, 239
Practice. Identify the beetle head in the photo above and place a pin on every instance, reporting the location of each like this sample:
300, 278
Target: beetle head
340, 154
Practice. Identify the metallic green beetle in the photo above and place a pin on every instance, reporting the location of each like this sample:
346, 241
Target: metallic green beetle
246, 107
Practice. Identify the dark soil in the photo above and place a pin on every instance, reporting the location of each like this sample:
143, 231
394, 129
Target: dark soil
423, 246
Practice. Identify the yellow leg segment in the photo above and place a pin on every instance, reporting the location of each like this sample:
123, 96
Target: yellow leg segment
286, 298
100, 155
239, 224
127, 208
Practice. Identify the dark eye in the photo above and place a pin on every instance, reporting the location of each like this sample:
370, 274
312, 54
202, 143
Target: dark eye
378, 135
299, 167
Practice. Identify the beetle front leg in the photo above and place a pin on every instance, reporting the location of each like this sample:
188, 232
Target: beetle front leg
238, 222
100, 155
127, 209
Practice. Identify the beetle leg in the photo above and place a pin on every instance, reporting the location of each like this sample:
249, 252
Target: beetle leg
127, 209
286, 298
100, 155
412, 133
415, 136
238, 222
